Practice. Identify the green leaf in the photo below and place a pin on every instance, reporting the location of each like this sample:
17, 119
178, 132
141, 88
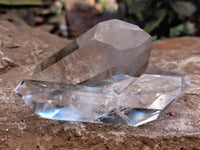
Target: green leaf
138, 6
154, 38
183, 8
177, 31
182, 29
190, 28
159, 16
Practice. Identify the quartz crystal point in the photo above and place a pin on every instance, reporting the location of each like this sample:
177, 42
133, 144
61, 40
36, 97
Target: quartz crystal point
109, 48
120, 99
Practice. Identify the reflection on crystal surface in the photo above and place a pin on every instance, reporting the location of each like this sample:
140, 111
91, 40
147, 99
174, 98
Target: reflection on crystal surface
120, 99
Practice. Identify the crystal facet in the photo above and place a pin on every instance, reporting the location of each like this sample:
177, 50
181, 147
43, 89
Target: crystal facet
109, 48
120, 99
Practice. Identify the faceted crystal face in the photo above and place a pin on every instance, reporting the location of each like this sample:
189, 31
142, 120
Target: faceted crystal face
109, 48
120, 99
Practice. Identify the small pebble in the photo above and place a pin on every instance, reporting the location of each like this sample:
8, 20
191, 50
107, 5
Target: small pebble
12, 45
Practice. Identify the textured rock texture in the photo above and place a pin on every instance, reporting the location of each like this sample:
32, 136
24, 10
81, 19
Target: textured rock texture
21, 48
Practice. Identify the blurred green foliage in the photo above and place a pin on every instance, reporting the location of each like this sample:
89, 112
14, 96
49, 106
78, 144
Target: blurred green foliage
166, 18
105, 6
21, 2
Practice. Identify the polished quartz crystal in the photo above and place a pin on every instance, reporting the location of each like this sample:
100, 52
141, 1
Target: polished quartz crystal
120, 99
109, 48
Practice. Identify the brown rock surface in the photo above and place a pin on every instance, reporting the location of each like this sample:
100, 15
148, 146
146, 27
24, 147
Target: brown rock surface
22, 47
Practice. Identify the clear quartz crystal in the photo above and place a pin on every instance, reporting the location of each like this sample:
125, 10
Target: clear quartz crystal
109, 48
120, 99
95, 79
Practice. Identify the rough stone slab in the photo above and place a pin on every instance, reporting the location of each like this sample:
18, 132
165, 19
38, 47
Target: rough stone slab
181, 55
177, 128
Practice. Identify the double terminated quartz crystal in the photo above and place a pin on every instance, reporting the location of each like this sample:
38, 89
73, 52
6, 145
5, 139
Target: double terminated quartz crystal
113, 49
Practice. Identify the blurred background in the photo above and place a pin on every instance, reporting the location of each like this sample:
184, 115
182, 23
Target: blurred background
71, 18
